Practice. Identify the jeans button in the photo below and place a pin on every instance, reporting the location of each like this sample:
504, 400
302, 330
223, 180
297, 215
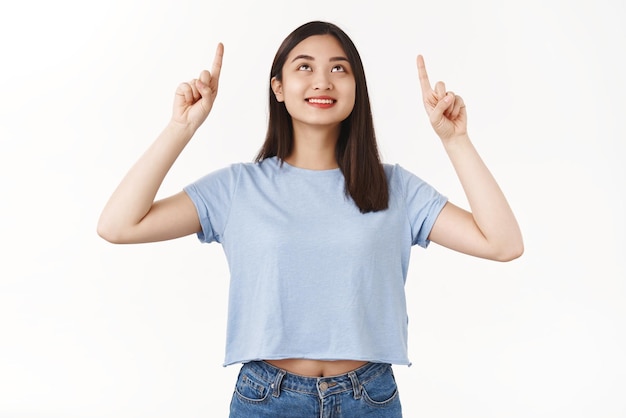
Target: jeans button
323, 386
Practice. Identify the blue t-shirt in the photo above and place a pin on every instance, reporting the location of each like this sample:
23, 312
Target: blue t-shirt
311, 276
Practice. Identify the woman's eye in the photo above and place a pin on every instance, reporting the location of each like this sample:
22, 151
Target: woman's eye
337, 68
304, 67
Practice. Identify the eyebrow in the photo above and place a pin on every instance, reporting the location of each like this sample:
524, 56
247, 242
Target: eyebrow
310, 58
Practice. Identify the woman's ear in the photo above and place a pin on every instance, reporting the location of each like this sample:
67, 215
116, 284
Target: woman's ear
277, 88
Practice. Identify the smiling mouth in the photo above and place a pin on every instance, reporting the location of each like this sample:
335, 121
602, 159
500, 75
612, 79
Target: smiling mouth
321, 101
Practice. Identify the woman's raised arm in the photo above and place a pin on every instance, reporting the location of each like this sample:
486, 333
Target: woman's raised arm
490, 230
131, 215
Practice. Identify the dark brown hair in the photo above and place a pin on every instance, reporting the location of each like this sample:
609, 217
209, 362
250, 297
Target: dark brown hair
356, 151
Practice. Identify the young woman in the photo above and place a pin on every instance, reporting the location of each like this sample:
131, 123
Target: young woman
317, 231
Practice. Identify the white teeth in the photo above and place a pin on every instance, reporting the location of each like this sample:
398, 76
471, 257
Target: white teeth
321, 101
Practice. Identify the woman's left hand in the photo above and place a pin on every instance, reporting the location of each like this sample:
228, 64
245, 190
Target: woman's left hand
445, 109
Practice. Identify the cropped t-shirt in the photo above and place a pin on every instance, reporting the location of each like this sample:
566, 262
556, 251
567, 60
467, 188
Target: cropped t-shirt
312, 277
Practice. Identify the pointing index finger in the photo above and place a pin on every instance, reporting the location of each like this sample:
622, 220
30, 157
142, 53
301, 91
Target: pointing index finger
423, 75
217, 61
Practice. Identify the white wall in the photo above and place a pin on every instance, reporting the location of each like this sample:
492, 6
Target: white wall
89, 329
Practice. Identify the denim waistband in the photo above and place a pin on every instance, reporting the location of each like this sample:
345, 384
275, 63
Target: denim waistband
280, 379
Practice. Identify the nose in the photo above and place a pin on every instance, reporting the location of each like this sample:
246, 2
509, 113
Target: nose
322, 81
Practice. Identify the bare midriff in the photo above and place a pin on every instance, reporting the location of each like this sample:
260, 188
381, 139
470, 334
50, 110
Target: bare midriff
317, 368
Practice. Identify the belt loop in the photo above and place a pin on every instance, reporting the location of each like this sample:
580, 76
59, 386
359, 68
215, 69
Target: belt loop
277, 382
356, 386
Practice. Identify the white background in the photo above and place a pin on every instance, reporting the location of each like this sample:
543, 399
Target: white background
90, 329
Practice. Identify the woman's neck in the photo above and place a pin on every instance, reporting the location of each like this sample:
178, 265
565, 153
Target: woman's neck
314, 149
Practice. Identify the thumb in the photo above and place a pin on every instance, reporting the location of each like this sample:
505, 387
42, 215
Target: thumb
204, 89
204, 84
436, 116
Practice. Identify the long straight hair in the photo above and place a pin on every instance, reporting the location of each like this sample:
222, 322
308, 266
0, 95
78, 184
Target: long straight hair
356, 150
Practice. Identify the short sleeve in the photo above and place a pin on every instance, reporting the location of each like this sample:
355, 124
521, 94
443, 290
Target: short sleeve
213, 195
423, 205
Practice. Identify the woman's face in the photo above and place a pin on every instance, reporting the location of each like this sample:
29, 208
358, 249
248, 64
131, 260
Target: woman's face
317, 86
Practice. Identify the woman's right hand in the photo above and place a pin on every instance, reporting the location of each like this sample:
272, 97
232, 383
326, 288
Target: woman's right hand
193, 100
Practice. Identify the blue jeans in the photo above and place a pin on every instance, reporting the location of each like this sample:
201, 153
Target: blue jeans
265, 391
